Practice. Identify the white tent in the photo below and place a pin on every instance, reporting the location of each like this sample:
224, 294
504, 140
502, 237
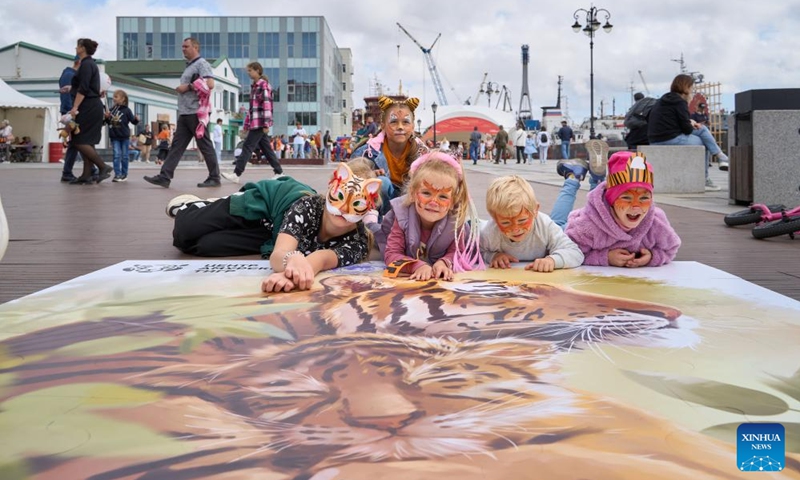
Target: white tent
29, 117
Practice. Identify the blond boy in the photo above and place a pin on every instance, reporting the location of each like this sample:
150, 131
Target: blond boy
518, 232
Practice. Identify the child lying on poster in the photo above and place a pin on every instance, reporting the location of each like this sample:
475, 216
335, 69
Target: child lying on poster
301, 233
518, 232
620, 225
431, 232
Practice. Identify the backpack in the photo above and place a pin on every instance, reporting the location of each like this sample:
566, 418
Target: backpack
543, 138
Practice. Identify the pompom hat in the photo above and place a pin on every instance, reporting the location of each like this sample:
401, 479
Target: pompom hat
627, 170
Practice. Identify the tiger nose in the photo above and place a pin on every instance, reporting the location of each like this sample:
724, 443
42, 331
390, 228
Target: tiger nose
382, 405
386, 422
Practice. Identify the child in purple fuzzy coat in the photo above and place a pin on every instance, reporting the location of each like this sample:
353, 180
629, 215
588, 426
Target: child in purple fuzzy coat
620, 224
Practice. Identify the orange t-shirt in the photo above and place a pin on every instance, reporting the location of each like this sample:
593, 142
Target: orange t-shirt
398, 167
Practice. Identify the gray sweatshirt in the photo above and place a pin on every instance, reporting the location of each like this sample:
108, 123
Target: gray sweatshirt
547, 238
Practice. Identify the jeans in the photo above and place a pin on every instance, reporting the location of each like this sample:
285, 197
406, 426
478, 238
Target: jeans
120, 146
69, 161
543, 154
388, 192
473, 152
256, 138
218, 150
565, 149
299, 151
133, 155
565, 202
699, 136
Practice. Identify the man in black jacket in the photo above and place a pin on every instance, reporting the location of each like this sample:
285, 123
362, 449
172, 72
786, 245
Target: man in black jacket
636, 121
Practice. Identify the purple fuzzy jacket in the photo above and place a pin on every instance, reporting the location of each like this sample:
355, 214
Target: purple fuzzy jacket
596, 232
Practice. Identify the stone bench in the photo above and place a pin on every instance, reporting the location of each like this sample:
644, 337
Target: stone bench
677, 168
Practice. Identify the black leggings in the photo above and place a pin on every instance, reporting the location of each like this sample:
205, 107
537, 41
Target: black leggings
207, 229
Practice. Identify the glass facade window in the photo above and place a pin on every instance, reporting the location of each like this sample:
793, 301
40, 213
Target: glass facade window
232, 100
290, 44
302, 84
140, 109
209, 44
268, 45
168, 46
130, 45
226, 104
148, 45
274, 81
238, 45
309, 45
244, 79
305, 118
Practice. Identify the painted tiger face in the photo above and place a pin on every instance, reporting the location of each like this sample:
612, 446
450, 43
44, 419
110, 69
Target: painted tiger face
373, 398
350, 196
479, 309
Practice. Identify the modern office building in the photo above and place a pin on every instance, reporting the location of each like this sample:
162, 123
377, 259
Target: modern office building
299, 55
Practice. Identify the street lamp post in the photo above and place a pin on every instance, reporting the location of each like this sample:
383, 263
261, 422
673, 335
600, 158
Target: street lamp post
419, 127
489, 88
589, 27
433, 109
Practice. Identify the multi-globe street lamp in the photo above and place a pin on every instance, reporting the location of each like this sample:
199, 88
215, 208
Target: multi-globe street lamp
589, 27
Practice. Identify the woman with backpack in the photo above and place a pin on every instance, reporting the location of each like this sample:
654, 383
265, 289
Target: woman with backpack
543, 143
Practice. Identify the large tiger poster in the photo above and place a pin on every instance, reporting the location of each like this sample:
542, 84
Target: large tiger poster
185, 370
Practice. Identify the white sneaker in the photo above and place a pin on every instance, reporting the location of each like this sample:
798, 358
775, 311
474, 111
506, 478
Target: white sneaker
598, 156
711, 186
723, 166
179, 201
230, 176
278, 175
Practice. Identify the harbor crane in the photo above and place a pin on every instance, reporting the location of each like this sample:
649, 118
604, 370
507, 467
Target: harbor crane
437, 82
644, 84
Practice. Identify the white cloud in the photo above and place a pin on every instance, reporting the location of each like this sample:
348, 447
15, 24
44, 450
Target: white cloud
741, 44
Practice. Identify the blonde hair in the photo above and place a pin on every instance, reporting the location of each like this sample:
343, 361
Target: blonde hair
508, 195
124, 95
461, 201
361, 167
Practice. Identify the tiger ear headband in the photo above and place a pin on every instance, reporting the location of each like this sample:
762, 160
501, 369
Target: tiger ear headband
385, 102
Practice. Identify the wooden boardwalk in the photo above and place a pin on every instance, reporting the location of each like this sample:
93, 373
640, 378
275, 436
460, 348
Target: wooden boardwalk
59, 231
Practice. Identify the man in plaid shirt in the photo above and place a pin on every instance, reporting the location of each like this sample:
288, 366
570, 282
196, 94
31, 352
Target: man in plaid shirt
257, 124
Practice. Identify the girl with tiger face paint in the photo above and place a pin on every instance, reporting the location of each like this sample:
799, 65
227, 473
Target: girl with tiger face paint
425, 232
394, 148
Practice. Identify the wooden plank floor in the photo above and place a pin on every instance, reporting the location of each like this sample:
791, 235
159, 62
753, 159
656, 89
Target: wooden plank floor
59, 231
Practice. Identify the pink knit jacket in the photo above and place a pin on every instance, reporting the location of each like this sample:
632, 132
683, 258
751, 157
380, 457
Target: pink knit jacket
596, 232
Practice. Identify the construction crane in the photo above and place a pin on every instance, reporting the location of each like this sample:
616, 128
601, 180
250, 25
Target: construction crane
437, 82
644, 83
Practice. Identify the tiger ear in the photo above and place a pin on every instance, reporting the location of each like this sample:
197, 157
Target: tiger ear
343, 172
372, 186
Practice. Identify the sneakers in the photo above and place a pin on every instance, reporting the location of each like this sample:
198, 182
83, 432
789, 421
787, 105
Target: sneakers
711, 186
230, 176
178, 202
105, 172
209, 182
598, 157
576, 167
120, 178
723, 161
278, 175
68, 178
157, 180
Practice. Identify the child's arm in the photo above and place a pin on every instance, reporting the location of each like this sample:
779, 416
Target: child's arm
396, 250
666, 241
581, 230
492, 247
564, 252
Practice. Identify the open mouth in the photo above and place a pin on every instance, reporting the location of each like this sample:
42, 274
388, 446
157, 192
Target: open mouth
633, 217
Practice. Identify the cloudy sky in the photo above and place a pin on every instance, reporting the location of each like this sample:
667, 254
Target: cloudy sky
741, 44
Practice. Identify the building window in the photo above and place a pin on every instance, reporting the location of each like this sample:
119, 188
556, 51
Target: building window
168, 46
305, 118
226, 104
344, 103
140, 109
309, 45
232, 96
239, 45
209, 44
302, 83
148, 45
130, 45
344, 68
290, 44
344, 86
275, 82
244, 79
268, 45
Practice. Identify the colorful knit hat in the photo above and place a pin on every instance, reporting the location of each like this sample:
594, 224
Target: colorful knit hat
627, 170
